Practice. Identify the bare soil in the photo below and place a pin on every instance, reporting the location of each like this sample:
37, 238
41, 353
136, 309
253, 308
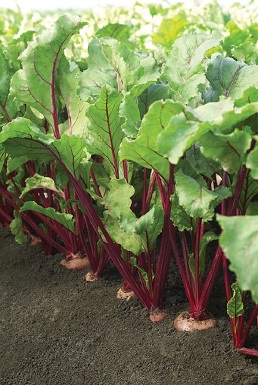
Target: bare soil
58, 329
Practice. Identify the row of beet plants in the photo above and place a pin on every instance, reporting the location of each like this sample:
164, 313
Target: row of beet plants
133, 162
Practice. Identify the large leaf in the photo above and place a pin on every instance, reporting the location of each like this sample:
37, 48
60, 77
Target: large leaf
22, 138
144, 150
239, 241
36, 83
104, 131
113, 63
197, 200
226, 149
76, 123
179, 135
229, 78
185, 68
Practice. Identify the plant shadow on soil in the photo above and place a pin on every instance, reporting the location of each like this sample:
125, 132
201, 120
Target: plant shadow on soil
57, 329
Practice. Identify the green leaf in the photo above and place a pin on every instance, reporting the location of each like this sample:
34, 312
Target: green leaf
40, 182
112, 63
178, 215
229, 78
235, 306
5, 78
22, 138
170, 29
226, 149
37, 81
17, 230
179, 135
77, 122
207, 237
197, 200
64, 219
239, 241
185, 68
119, 220
120, 32
133, 262
246, 52
104, 131
252, 162
150, 225
143, 150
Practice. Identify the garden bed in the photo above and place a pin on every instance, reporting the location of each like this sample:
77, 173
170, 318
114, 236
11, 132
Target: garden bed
58, 329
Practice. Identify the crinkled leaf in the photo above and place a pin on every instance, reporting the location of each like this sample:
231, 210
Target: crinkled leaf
235, 306
40, 182
185, 68
179, 216
17, 230
64, 219
239, 241
119, 220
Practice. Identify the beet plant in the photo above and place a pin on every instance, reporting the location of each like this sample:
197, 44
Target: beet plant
137, 157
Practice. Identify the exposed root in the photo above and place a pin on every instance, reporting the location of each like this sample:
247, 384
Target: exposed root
124, 294
77, 264
91, 277
157, 316
186, 323
35, 241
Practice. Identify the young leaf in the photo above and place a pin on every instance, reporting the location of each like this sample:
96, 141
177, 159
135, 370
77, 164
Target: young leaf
185, 68
239, 241
208, 237
150, 225
235, 306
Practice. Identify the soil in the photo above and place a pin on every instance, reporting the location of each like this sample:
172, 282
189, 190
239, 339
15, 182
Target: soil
58, 329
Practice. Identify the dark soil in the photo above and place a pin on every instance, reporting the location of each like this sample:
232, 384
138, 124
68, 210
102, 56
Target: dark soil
57, 329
